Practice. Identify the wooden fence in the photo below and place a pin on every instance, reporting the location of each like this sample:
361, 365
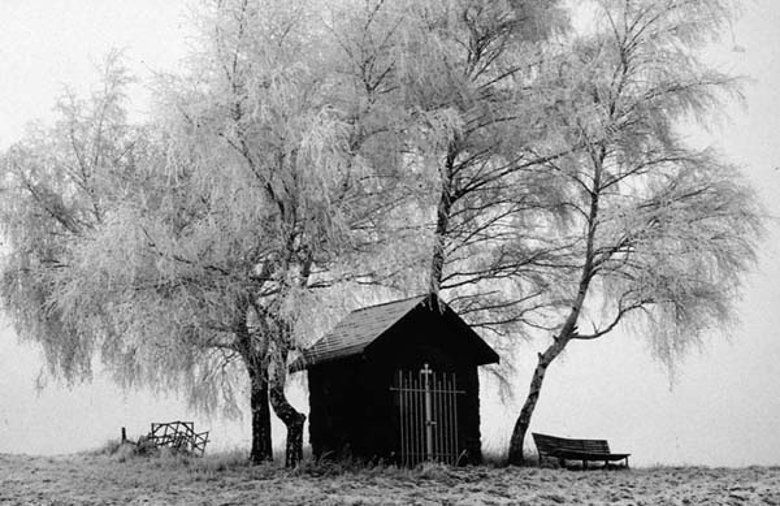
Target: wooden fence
180, 436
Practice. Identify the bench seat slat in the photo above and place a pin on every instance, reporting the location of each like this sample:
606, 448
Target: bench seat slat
574, 455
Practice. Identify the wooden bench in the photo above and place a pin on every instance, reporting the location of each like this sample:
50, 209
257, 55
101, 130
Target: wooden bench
586, 450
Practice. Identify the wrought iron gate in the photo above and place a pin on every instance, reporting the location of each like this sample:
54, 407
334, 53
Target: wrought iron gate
428, 416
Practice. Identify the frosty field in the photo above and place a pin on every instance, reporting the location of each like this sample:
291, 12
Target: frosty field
224, 479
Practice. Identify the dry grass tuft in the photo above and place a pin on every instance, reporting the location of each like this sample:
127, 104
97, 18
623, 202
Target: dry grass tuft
109, 448
221, 462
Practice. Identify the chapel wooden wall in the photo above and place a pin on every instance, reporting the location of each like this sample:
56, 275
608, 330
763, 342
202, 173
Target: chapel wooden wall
352, 410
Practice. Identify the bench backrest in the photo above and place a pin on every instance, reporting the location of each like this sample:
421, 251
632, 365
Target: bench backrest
547, 445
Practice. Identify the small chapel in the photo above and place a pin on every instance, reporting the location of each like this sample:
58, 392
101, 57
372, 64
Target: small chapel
397, 382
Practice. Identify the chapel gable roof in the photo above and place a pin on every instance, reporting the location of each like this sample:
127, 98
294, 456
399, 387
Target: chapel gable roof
362, 327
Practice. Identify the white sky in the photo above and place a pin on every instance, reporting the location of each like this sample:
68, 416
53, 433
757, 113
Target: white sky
45, 44
725, 404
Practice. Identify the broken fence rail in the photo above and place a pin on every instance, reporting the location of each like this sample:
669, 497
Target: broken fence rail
180, 436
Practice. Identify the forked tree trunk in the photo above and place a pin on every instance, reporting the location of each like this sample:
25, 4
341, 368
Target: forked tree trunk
292, 419
261, 417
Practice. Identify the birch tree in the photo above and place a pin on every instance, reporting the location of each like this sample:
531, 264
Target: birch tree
462, 81
552, 162
201, 272
660, 235
58, 184
254, 205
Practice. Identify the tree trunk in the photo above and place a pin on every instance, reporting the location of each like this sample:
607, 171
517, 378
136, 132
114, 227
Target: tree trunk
261, 417
568, 330
439, 241
516, 457
292, 419
438, 255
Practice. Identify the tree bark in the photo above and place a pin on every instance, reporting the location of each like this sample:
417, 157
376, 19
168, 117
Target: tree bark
438, 255
261, 417
516, 456
292, 419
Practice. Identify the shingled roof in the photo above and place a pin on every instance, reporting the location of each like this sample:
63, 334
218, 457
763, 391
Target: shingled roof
355, 332
352, 335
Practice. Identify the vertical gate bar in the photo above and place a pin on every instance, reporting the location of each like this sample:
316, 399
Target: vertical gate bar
409, 420
426, 371
451, 414
445, 402
432, 416
418, 442
436, 419
447, 415
413, 399
412, 415
397, 382
417, 425
412, 419
415, 411
400, 414
446, 428
428, 418
406, 421
454, 414
420, 421
444, 417
456, 445
402, 408
446, 408
441, 422
453, 428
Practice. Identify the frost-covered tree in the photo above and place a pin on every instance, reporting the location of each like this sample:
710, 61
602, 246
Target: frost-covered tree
438, 145
659, 235
458, 86
254, 199
58, 184
202, 270
552, 179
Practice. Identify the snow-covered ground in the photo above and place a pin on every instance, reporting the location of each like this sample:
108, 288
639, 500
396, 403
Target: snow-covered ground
117, 479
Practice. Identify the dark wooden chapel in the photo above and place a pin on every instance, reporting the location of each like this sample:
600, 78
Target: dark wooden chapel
397, 382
